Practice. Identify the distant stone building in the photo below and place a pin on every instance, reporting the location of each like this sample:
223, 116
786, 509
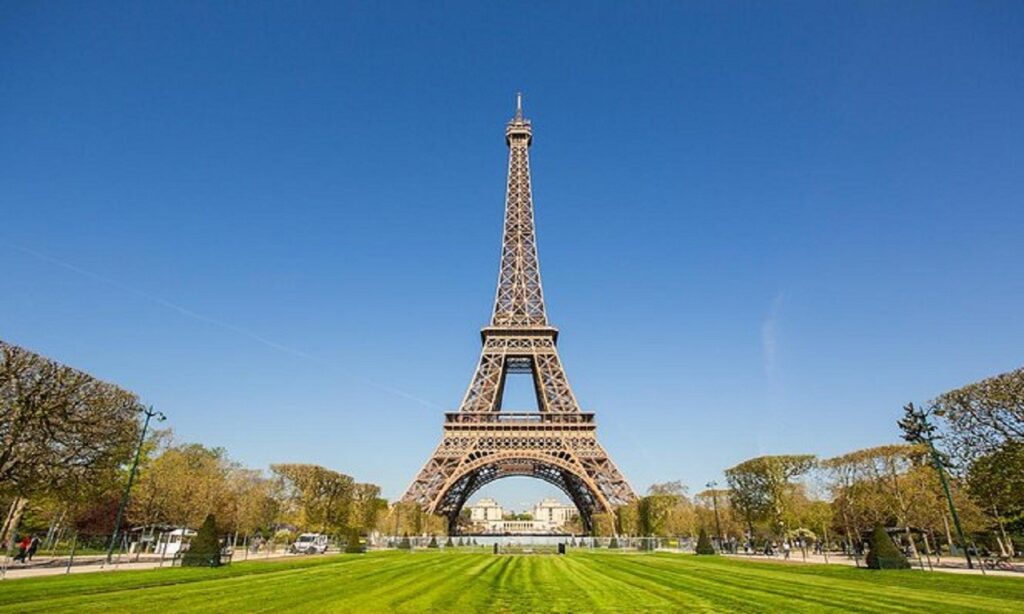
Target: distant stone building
485, 510
554, 513
549, 516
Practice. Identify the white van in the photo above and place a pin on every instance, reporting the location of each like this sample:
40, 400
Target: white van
310, 543
173, 542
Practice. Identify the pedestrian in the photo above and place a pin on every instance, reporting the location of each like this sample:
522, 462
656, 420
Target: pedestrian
33, 546
23, 545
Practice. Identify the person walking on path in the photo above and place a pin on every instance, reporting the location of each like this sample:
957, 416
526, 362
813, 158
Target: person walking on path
33, 545
23, 546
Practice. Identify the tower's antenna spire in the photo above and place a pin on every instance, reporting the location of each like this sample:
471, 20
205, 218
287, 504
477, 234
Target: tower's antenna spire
519, 105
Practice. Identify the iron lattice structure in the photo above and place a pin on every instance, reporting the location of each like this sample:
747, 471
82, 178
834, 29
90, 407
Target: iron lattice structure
481, 443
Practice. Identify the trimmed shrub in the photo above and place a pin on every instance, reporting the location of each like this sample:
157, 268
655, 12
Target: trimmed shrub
883, 553
614, 543
449, 544
352, 544
405, 544
433, 542
704, 543
204, 551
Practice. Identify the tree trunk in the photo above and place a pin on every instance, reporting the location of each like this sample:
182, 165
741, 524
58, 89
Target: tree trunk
913, 546
949, 536
1008, 549
11, 522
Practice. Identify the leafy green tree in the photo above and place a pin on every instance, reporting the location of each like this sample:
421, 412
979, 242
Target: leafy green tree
353, 545
367, 506
996, 482
983, 415
665, 511
182, 485
883, 553
315, 497
703, 543
62, 431
763, 488
204, 550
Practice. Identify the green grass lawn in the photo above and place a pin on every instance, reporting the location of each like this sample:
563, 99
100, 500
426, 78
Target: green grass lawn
475, 582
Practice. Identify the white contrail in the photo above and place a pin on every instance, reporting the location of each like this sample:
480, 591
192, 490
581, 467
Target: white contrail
221, 324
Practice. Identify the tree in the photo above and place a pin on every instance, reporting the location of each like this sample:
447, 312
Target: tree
204, 551
704, 544
252, 501
984, 415
603, 524
408, 517
182, 485
367, 506
883, 472
664, 512
996, 482
62, 431
315, 497
762, 488
883, 553
705, 503
353, 545
674, 488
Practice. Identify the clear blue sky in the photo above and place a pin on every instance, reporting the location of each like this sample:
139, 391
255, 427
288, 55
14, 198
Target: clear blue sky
762, 228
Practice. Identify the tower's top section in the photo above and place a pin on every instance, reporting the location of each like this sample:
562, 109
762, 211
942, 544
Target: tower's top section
519, 302
518, 129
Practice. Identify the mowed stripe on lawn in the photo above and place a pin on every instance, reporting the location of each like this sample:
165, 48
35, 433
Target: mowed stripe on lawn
431, 581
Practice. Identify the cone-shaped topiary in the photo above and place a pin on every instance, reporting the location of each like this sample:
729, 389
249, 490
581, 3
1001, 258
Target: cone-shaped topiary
449, 544
352, 544
614, 543
461, 542
204, 550
433, 542
703, 543
405, 544
883, 553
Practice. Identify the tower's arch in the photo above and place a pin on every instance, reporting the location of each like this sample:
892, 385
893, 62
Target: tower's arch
554, 469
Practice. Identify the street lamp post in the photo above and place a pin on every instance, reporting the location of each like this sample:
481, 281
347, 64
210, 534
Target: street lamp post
937, 461
921, 431
714, 500
149, 413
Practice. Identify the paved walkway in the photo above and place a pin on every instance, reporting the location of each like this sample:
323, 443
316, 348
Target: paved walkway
945, 564
56, 566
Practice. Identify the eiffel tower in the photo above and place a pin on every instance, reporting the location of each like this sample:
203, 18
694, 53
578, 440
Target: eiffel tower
481, 443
